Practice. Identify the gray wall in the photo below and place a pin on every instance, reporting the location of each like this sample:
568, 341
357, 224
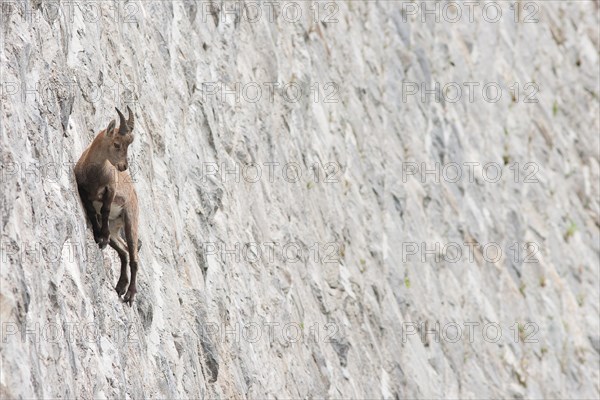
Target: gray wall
343, 320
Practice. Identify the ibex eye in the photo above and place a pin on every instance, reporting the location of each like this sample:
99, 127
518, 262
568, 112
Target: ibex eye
117, 145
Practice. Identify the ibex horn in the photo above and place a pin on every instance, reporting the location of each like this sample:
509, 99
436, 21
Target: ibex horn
130, 120
122, 123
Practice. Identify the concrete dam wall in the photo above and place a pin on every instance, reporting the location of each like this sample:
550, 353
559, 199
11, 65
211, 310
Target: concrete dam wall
338, 199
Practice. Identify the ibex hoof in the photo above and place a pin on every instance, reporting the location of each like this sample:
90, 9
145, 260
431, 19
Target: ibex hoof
102, 242
121, 288
128, 299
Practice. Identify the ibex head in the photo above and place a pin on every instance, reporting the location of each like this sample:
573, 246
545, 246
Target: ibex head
117, 140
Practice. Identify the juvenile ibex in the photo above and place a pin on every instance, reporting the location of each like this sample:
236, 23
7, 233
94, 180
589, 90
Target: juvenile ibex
109, 198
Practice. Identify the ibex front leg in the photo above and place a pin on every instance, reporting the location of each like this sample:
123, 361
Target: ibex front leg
91, 213
107, 199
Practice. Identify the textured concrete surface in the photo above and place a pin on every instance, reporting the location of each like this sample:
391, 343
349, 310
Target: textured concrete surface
404, 279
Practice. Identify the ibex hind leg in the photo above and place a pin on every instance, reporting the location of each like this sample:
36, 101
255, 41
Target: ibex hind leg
123, 280
131, 224
123, 238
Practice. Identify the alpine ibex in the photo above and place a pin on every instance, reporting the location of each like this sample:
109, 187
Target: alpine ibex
109, 198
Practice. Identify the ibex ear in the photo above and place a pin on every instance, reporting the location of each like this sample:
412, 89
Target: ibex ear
110, 128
